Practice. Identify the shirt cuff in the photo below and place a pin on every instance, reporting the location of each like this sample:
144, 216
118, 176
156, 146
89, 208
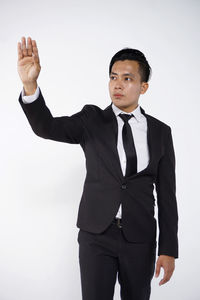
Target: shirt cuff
31, 98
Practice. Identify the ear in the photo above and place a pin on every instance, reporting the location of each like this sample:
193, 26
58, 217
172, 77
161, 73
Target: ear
144, 87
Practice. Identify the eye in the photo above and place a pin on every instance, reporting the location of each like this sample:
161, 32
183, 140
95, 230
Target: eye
112, 77
127, 78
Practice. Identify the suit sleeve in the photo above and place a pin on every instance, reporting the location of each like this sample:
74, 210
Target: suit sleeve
68, 129
166, 201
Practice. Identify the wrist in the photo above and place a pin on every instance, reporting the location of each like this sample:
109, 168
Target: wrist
30, 88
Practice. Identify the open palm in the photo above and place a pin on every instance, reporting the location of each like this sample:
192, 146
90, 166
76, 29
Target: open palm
28, 61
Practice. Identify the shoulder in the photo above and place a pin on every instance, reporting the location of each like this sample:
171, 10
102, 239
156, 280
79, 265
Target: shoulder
162, 128
155, 121
158, 122
92, 107
92, 110
89, 112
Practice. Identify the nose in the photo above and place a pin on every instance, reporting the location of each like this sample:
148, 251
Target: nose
118, 84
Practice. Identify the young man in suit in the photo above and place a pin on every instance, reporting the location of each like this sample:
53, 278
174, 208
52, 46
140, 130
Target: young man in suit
128, 152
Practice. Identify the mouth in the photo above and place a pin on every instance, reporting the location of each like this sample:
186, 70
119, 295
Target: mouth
118, 95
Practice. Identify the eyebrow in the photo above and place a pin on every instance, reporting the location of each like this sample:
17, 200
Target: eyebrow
125, 74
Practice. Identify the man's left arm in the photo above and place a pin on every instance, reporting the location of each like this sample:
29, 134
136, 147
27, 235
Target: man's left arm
167, 210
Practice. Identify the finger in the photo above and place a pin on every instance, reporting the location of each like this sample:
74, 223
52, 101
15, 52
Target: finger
29, 46
35, 52
166, 278
24, 50
19, 50
158, 266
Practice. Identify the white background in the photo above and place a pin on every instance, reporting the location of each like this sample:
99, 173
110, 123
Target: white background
42, 180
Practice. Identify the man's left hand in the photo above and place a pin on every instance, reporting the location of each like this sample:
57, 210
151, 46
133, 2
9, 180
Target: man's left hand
168, 264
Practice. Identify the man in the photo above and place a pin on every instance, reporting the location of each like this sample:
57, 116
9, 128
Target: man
127, 152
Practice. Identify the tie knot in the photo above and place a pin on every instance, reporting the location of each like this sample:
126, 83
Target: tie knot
126, 117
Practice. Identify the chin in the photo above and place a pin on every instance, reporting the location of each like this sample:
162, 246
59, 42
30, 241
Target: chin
120, 103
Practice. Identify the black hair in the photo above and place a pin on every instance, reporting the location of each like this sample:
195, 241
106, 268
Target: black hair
133, 54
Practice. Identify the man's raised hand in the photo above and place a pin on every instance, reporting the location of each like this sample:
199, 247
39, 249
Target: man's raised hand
28, 64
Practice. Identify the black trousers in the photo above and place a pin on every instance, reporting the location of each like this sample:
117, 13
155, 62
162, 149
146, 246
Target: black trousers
103, 256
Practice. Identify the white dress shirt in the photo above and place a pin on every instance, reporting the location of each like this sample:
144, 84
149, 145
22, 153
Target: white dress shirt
138, 125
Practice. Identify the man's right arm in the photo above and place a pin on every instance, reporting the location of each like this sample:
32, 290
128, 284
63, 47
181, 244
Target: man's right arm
69, 129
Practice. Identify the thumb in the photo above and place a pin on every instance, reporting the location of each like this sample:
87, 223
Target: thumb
158, 266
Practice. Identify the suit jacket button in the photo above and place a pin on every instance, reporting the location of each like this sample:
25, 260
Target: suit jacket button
123, 186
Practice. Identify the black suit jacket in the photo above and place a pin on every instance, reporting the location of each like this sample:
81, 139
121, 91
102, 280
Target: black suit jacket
105, 187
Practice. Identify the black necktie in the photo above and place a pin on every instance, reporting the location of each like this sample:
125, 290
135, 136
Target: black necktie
129, 147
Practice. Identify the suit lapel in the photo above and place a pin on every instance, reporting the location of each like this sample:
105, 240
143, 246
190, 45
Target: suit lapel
106, 144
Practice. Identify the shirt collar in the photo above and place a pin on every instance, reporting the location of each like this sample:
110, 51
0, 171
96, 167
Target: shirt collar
136, 112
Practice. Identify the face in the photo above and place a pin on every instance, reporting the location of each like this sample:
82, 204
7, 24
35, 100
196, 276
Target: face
125, 84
